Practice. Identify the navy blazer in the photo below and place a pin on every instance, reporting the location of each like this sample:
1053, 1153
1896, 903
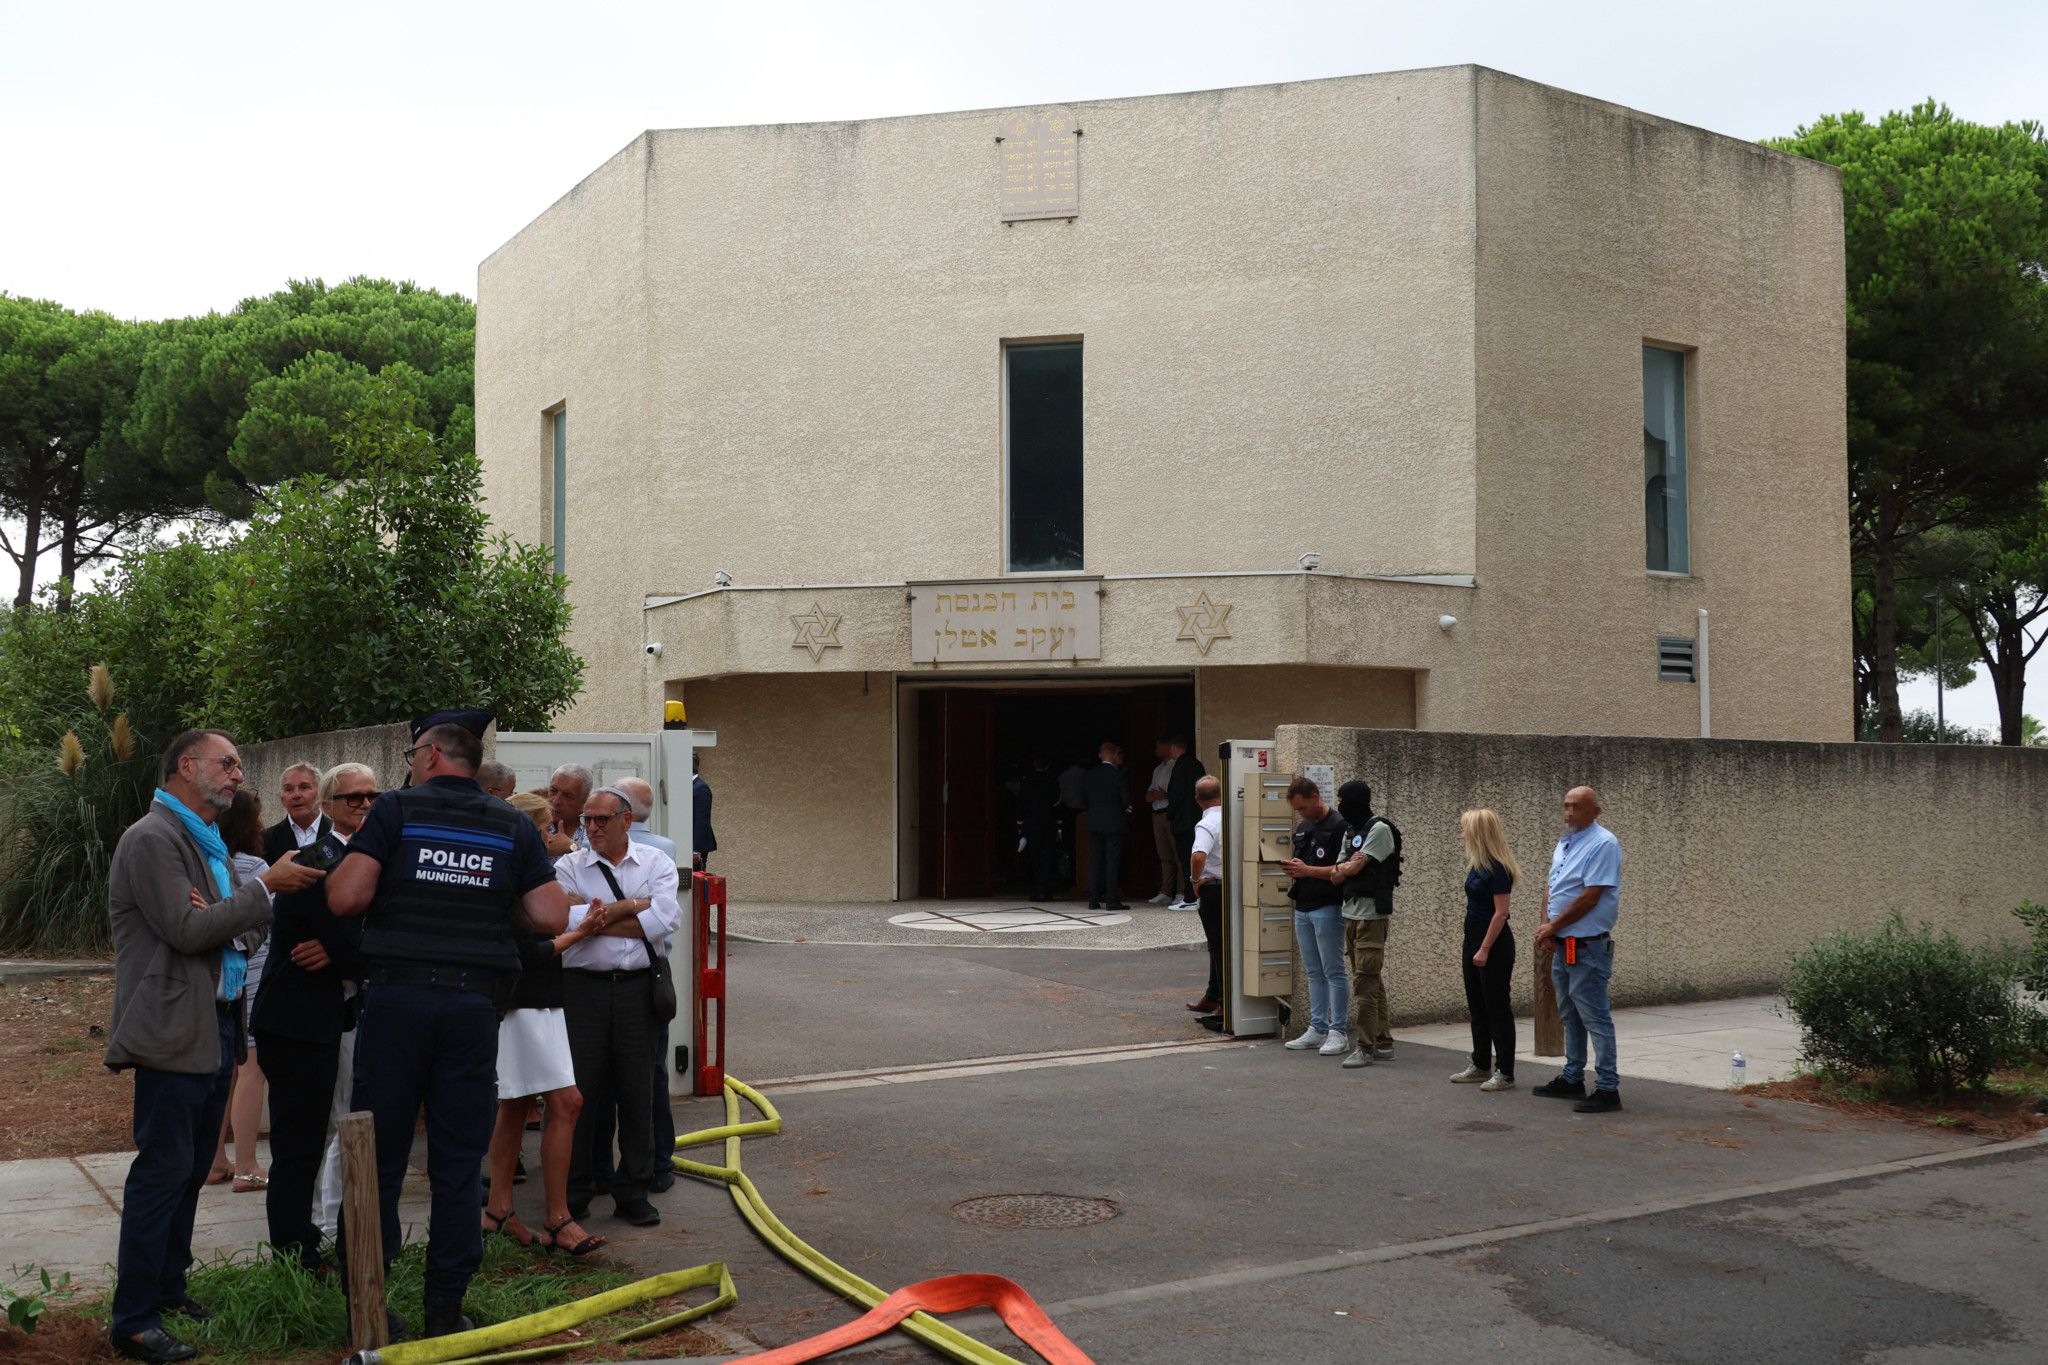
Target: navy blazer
292, 1002
1109, 800
702, 840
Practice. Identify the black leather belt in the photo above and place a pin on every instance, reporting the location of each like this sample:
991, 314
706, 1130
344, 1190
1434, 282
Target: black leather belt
1585, 938
438, 978
613, 975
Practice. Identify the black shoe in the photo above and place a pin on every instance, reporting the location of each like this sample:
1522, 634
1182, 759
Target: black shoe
1599, 1102
1116, 905
445, 1319
1561, 1089
662, 1183
638, 1212
1094, 905
187, 1307
155, 1345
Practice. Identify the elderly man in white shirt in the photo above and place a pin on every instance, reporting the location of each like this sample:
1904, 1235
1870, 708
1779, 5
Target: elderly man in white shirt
629, 890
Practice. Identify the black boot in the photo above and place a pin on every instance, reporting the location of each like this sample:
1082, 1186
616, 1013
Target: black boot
445, 1319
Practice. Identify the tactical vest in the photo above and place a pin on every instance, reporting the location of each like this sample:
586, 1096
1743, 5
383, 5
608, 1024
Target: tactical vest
446, 896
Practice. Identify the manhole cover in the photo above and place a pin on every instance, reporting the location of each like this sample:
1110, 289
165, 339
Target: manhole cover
1034, 1211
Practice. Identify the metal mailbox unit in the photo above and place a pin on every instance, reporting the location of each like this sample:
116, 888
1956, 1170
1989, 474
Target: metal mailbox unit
1258, 918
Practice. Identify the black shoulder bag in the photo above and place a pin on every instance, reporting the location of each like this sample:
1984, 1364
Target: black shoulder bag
664, 978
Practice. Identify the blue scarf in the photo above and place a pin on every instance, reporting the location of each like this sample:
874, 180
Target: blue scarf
234, 963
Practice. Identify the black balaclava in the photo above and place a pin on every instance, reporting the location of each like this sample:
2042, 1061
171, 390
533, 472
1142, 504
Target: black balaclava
1354, 803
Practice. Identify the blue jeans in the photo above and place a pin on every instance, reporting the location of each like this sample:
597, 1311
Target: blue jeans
1582, 1004
1319, 938
177, 1119
422, 1043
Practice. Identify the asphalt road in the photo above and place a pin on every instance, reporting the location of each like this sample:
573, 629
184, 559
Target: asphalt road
1270, 1207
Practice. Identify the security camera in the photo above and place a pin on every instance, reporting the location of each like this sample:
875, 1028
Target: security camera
1311, 561
652, 649
721, 578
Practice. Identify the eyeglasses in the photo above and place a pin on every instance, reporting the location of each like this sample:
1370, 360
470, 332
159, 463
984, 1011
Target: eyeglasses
231, 764
357, 798
600, 820
407, 755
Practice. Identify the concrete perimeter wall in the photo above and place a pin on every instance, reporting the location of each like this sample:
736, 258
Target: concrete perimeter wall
1737, 853
381, 746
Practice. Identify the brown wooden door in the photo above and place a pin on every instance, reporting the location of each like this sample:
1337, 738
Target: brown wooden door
956, 793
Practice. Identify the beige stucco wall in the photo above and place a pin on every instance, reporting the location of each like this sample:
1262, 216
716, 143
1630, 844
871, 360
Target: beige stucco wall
1601, 229
381, 746
1735, 853
1251, 703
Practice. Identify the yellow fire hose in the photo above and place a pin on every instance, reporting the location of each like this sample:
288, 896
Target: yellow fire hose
502, 1342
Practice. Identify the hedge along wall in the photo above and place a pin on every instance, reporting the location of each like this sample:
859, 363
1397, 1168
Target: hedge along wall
1736, 852
381, 746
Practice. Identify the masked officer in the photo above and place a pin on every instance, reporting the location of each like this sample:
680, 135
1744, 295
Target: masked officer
445, 873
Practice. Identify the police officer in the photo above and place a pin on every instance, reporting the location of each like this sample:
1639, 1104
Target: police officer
445, 873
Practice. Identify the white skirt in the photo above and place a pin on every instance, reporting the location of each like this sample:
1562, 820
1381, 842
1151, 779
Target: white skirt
533, 1054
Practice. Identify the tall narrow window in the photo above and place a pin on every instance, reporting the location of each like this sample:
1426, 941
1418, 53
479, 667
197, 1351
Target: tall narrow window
1042, 448
1666, 545
561, 501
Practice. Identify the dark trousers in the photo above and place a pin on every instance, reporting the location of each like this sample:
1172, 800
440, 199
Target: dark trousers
177, 1119
611, 1026
301, 1077
425, 1044
1106, 860
663, 1145
1041, 858
1184, 849
1209, 904
1486, 998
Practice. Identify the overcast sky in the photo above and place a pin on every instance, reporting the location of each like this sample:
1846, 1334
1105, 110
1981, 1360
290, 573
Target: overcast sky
159, 160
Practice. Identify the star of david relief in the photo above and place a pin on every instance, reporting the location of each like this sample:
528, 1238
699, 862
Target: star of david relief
816, 631
1204, 622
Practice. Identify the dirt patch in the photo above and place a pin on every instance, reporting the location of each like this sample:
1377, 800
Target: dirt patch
64, 1101
61, 1338
2005, 1110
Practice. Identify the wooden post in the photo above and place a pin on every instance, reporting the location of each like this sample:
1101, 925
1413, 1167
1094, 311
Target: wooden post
360, 1215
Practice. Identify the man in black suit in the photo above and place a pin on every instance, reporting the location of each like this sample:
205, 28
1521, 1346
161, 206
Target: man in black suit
1182, 813
1109, 818
299, 790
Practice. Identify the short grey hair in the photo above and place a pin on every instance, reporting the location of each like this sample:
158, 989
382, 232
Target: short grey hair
331, 779
580, 774
491, 773
311, 770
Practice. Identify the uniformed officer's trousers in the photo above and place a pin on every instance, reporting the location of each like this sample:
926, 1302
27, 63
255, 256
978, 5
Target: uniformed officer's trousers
426, 1044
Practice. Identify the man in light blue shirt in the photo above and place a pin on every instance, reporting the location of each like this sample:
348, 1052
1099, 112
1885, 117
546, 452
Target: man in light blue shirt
1580, 904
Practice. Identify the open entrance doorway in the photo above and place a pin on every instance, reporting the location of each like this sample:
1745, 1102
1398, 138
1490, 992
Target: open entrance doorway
966, 746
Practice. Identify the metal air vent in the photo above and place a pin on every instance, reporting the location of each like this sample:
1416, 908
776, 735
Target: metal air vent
1677, 659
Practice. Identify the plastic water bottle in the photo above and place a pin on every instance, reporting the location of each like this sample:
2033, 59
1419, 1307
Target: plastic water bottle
1737, 1071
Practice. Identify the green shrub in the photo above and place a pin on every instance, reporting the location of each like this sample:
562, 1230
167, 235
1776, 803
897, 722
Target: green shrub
2034, 965
1921, 1010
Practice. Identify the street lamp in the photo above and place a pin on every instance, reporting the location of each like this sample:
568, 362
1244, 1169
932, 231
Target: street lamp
1940, 722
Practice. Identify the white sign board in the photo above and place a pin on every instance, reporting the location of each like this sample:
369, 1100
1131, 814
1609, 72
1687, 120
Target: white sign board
1324, 775
1030, 620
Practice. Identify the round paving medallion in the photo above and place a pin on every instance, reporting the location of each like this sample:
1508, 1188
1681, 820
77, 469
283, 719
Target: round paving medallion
1034, 1211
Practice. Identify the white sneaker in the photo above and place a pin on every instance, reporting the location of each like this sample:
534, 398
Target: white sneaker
1498, 1082
1160, 899
1185, 905
1312, 1038
1336, 1045
1471, 1075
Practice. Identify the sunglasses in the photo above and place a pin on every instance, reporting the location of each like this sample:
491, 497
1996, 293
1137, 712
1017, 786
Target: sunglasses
600, 820
357, 798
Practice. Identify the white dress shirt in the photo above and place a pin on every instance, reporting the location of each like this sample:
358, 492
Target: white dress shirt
643, 871
1161, 776
1209, 843
303, 835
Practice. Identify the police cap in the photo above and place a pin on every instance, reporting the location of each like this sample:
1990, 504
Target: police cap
476, 722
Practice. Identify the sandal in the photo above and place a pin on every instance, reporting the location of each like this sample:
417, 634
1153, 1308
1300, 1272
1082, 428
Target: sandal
248, 1182
498, 1221
220, 1175
589, 1244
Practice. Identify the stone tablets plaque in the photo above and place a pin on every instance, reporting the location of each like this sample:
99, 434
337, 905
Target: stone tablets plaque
1011, 620
1039, 169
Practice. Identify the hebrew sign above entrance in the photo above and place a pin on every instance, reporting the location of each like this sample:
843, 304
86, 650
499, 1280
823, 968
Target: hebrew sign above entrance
1006, 620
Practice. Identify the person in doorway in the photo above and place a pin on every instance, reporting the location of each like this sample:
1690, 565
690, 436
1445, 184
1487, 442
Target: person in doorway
1365, 877
568, 788
1109, 819
1580, 906
1073, 781
1171, 878
1205, 870
177, 1020
1182, 811
629, 890
1318, 919
1488, 957
298, 790
446, 875
1038, 811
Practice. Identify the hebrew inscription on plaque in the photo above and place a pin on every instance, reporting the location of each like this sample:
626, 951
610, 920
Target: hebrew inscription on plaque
1039, 169
1005, 621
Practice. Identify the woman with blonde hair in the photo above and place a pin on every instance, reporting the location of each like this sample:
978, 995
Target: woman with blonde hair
1489, 953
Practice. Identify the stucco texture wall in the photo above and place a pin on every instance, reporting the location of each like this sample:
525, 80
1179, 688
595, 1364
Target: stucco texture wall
801, 778
1736, 853
381, 746
1601, 229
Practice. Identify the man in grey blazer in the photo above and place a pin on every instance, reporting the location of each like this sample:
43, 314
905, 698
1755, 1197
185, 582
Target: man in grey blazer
176, 903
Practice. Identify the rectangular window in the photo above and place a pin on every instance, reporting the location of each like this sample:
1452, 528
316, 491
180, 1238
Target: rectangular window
1666, 544
560, 424
1042, 455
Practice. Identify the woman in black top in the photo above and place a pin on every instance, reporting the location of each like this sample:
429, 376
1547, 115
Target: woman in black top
1489, 952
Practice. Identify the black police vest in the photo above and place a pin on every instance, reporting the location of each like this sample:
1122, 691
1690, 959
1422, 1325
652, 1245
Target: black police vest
446, 896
